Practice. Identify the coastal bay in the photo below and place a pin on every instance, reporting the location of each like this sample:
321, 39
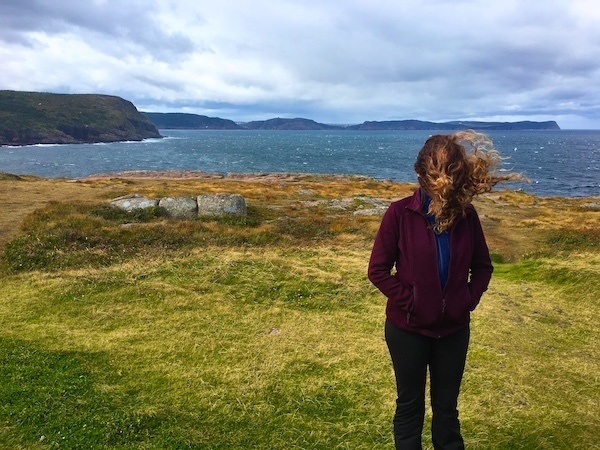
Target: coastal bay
558, 163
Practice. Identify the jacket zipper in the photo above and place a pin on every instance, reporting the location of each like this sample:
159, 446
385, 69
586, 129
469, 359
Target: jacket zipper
449, 272
436, 255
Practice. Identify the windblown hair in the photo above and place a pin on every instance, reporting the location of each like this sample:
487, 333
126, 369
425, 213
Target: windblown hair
453, 169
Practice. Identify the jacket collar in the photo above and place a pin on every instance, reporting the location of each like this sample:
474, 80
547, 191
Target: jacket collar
415, 204
415, 201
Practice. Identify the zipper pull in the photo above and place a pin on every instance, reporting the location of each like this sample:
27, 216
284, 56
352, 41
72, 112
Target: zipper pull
408, 317
443, 306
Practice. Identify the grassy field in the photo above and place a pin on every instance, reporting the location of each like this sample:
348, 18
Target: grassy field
140, 332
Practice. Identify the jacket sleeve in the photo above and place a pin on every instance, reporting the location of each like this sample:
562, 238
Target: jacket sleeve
481, 265
383, 257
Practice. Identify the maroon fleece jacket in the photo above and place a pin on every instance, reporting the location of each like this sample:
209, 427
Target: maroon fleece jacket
416, 300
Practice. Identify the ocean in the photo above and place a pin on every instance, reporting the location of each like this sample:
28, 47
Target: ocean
558, 163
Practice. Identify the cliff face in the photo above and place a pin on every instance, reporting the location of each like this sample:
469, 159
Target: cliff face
44, 118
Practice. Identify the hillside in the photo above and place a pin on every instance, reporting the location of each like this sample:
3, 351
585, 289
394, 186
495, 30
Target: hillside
44, 118
523, 125
184, 121
289, 124
451, 126
196, 122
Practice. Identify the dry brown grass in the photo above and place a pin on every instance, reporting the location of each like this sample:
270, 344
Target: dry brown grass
516, 224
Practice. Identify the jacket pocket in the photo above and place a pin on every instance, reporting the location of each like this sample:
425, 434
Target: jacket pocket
410, 304
473, 302
458, 307
404, 298
422, 312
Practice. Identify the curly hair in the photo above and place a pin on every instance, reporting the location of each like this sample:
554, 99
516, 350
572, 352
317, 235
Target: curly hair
452, 169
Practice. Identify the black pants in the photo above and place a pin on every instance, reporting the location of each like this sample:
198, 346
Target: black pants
411, 355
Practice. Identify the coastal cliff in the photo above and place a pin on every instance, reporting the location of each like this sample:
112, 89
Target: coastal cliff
44, 118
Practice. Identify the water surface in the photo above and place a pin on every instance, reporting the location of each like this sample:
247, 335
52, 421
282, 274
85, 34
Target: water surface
565, 163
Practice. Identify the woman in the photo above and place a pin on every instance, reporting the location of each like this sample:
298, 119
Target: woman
435, 242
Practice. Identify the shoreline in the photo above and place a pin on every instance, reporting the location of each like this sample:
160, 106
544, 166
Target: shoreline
238, 176
267, 177
287, 177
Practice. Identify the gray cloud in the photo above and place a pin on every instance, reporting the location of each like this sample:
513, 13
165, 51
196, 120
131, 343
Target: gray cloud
117, 26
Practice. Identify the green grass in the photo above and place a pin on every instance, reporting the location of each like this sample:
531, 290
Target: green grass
227, 364
574, 239
62, 399
137, 332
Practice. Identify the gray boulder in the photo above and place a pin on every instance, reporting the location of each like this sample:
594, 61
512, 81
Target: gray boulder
133, 202
222, 205
179, 207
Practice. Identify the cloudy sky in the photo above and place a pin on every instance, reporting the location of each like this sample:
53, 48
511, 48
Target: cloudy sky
334, 61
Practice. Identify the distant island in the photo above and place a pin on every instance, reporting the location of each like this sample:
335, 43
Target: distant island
199, 122
289, 124
44, 118
185, 121
454, 125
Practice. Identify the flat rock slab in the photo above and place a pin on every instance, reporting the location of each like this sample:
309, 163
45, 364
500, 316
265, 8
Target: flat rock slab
221, 205
133, 202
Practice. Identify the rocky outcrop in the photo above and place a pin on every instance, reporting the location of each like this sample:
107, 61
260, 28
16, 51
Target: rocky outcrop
221, 205
360, 205
181, 207
207, 205
133, 202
